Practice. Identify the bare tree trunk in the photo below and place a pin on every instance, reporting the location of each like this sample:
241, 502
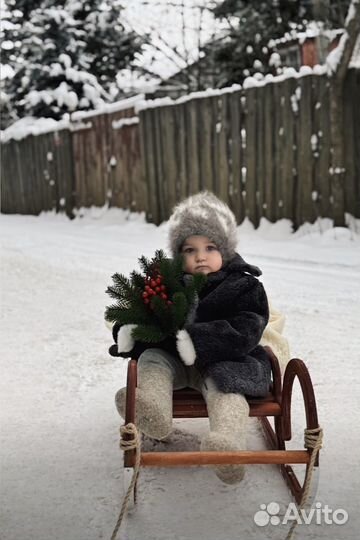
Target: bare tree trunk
338, 172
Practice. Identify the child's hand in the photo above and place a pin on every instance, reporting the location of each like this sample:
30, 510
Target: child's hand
185, 347
125, 341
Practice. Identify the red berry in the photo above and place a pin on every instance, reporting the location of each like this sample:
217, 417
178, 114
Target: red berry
158, 281
146, 300
163, 288
163, 296
147, 287
169, 303
145, 294
153, 283
157, 289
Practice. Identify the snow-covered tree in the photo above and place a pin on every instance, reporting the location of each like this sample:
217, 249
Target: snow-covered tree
65, 54
176, 32
253, 25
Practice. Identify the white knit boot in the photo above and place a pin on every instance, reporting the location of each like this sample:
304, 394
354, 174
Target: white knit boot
228, 414
153, 401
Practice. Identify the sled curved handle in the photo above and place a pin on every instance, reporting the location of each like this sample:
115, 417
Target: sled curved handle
297, 368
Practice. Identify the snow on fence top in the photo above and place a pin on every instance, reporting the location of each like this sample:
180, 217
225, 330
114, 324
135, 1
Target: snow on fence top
109, 107
38, 126
258, 79
33, 126
118, 124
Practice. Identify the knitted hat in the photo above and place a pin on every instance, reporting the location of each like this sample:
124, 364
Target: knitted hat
203, 214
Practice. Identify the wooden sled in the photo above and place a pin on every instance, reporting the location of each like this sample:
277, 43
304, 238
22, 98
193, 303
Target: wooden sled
188, 403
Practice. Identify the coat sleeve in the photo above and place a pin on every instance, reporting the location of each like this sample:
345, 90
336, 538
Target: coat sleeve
234, 337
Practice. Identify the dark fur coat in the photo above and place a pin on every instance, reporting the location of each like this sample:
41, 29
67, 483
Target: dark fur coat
226, 329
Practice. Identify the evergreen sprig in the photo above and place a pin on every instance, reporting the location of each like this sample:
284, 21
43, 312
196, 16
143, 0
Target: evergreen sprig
157, 300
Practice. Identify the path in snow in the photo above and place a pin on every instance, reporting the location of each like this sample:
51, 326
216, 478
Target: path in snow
61, 472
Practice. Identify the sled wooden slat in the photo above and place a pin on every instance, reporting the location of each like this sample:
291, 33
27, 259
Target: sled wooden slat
173, 459
188, 394
197, 409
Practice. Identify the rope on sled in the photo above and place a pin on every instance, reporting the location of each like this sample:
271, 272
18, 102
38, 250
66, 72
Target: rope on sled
133, 443
313, 440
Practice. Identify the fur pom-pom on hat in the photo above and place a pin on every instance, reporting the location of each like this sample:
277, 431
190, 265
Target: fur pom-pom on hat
206, 215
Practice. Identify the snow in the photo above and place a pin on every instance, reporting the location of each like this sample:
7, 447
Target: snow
6, 71
36, 126
32, 126
334, 56
275, 59
314, 142
109, 108
351, 12
62, 476
118, 124
355, 58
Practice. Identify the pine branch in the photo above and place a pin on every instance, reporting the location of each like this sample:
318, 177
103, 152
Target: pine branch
148, 334
180, 308
157, 301
137, 279
121, 283
172, 274
114, 292
162, 312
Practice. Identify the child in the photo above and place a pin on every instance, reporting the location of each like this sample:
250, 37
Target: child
218, 350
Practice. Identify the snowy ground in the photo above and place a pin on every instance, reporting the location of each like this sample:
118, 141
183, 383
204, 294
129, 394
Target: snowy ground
61, 469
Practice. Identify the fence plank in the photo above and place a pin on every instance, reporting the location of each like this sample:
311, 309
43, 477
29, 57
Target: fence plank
305, 207
146, 120
356, 121
269, 194
278, 105
170, 156
287, 180
222, 136
159, 163
350, 144
251, 157
143, 170
192, 146
322, 187
206, 144
235, 153
182, 182
260, 155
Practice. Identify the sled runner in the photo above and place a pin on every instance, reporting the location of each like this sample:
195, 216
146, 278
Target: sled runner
189, 403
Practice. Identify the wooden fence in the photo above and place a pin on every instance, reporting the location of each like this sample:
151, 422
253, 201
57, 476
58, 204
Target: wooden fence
265, 150
94, 162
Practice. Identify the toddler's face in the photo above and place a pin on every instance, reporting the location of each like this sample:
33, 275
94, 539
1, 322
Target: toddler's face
201, 255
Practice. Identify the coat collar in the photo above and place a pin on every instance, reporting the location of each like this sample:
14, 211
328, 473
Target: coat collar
237, 265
